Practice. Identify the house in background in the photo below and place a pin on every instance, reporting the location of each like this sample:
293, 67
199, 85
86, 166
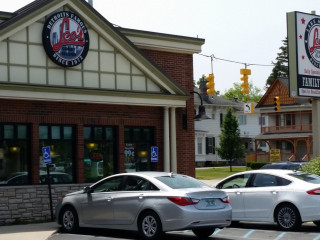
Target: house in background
288, 130
207, 131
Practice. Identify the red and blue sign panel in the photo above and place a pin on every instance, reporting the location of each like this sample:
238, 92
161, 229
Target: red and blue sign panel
65, 39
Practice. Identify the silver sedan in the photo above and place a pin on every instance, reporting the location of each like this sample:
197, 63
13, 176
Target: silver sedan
286, 197
148, 202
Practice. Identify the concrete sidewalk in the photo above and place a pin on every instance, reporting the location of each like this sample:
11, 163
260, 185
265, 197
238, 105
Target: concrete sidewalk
36, 231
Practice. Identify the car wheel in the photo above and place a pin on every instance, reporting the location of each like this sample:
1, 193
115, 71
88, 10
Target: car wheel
317, 223
288, 217
149, 226
69, 220
203, 232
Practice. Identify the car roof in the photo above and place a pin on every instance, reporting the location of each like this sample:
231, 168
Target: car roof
268, 171
148, 173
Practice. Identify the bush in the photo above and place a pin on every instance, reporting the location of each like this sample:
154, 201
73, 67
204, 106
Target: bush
312, 167
255, 165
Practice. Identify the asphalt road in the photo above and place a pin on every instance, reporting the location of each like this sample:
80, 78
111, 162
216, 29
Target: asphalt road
243, 231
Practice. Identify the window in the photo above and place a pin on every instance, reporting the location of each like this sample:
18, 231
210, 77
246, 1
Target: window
262, 120
60, 138
242, 119
267, 180
14, 154
199, 145
99, 152
210, 145
238, 181
138, 142
221, 119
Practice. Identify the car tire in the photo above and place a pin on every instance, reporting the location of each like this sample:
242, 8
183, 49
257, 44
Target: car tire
287, 217
69, 220
203, 232
149, 226
317, 223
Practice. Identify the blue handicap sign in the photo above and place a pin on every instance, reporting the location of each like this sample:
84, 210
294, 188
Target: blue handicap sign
154, 154
46, 155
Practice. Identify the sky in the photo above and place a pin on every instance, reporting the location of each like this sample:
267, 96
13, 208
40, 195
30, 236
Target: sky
246, 31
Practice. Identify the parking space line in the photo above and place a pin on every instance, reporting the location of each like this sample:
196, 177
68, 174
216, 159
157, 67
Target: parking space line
316, 238
280, 236
217, 231
248, 234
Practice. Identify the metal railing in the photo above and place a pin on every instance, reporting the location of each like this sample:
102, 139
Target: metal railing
288, 128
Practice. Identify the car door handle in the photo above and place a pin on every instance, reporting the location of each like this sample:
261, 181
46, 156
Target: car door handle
274, 192
238, 193
141, 196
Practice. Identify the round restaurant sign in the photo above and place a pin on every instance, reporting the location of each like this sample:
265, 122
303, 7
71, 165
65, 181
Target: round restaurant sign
65, 39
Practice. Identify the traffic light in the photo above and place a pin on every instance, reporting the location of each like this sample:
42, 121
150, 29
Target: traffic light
276, 103
245, 84
210, 84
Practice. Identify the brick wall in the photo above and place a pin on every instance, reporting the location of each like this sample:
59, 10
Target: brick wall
30, 203
180, 67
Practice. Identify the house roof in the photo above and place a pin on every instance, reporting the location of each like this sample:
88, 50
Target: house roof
271, 136
214, 100
280, 87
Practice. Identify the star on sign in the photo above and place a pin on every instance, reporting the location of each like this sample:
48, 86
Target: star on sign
303, 21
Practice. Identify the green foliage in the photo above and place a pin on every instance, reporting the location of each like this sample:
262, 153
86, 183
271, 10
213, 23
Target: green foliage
256, 165
280, 68
217, 173
312, 167
255, 93
230, 142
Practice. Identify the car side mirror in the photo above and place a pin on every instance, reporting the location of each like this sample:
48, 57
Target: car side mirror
87, 190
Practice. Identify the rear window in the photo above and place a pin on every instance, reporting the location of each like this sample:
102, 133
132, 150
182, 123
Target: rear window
310, 178
181, 181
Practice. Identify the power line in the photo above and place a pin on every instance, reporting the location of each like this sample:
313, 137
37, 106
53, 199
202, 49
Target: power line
232, 61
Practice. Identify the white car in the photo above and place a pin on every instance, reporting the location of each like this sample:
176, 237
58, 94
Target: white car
286, 197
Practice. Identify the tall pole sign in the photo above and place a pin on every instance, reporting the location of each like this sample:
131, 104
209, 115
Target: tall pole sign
304, 65
304, 54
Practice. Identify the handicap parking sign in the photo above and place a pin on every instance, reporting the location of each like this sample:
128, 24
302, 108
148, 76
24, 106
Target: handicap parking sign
46, 155
154, 154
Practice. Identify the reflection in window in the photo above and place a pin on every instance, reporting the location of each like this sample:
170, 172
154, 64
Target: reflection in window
60, 139
138, 142
14, 153
99, 152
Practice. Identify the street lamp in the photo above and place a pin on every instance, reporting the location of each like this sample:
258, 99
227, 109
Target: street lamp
202, 111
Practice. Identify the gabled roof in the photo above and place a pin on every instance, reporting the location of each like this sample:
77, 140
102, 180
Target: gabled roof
280, 87
38, 9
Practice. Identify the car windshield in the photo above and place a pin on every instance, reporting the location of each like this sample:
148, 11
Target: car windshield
180, 181
310, 178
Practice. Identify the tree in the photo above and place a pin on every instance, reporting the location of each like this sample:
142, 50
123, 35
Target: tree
255, 94
230, 143
280, 68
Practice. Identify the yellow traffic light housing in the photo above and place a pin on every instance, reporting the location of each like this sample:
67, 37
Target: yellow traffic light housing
210, 84
245, 84
276, 103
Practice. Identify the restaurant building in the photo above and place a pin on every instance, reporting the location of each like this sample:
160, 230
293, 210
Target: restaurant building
104, 99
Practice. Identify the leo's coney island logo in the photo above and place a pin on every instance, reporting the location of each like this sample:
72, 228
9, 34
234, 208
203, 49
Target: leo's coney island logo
65, 39
312, 41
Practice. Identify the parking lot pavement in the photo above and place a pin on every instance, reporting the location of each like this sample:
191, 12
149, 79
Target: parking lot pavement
39, 231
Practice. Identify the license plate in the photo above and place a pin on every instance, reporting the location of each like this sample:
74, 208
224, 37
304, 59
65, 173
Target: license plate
210, 202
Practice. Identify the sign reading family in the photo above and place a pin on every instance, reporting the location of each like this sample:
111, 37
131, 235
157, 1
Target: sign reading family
65, 39
304, 54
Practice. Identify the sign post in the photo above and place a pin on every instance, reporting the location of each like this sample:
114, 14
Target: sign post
47, 160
